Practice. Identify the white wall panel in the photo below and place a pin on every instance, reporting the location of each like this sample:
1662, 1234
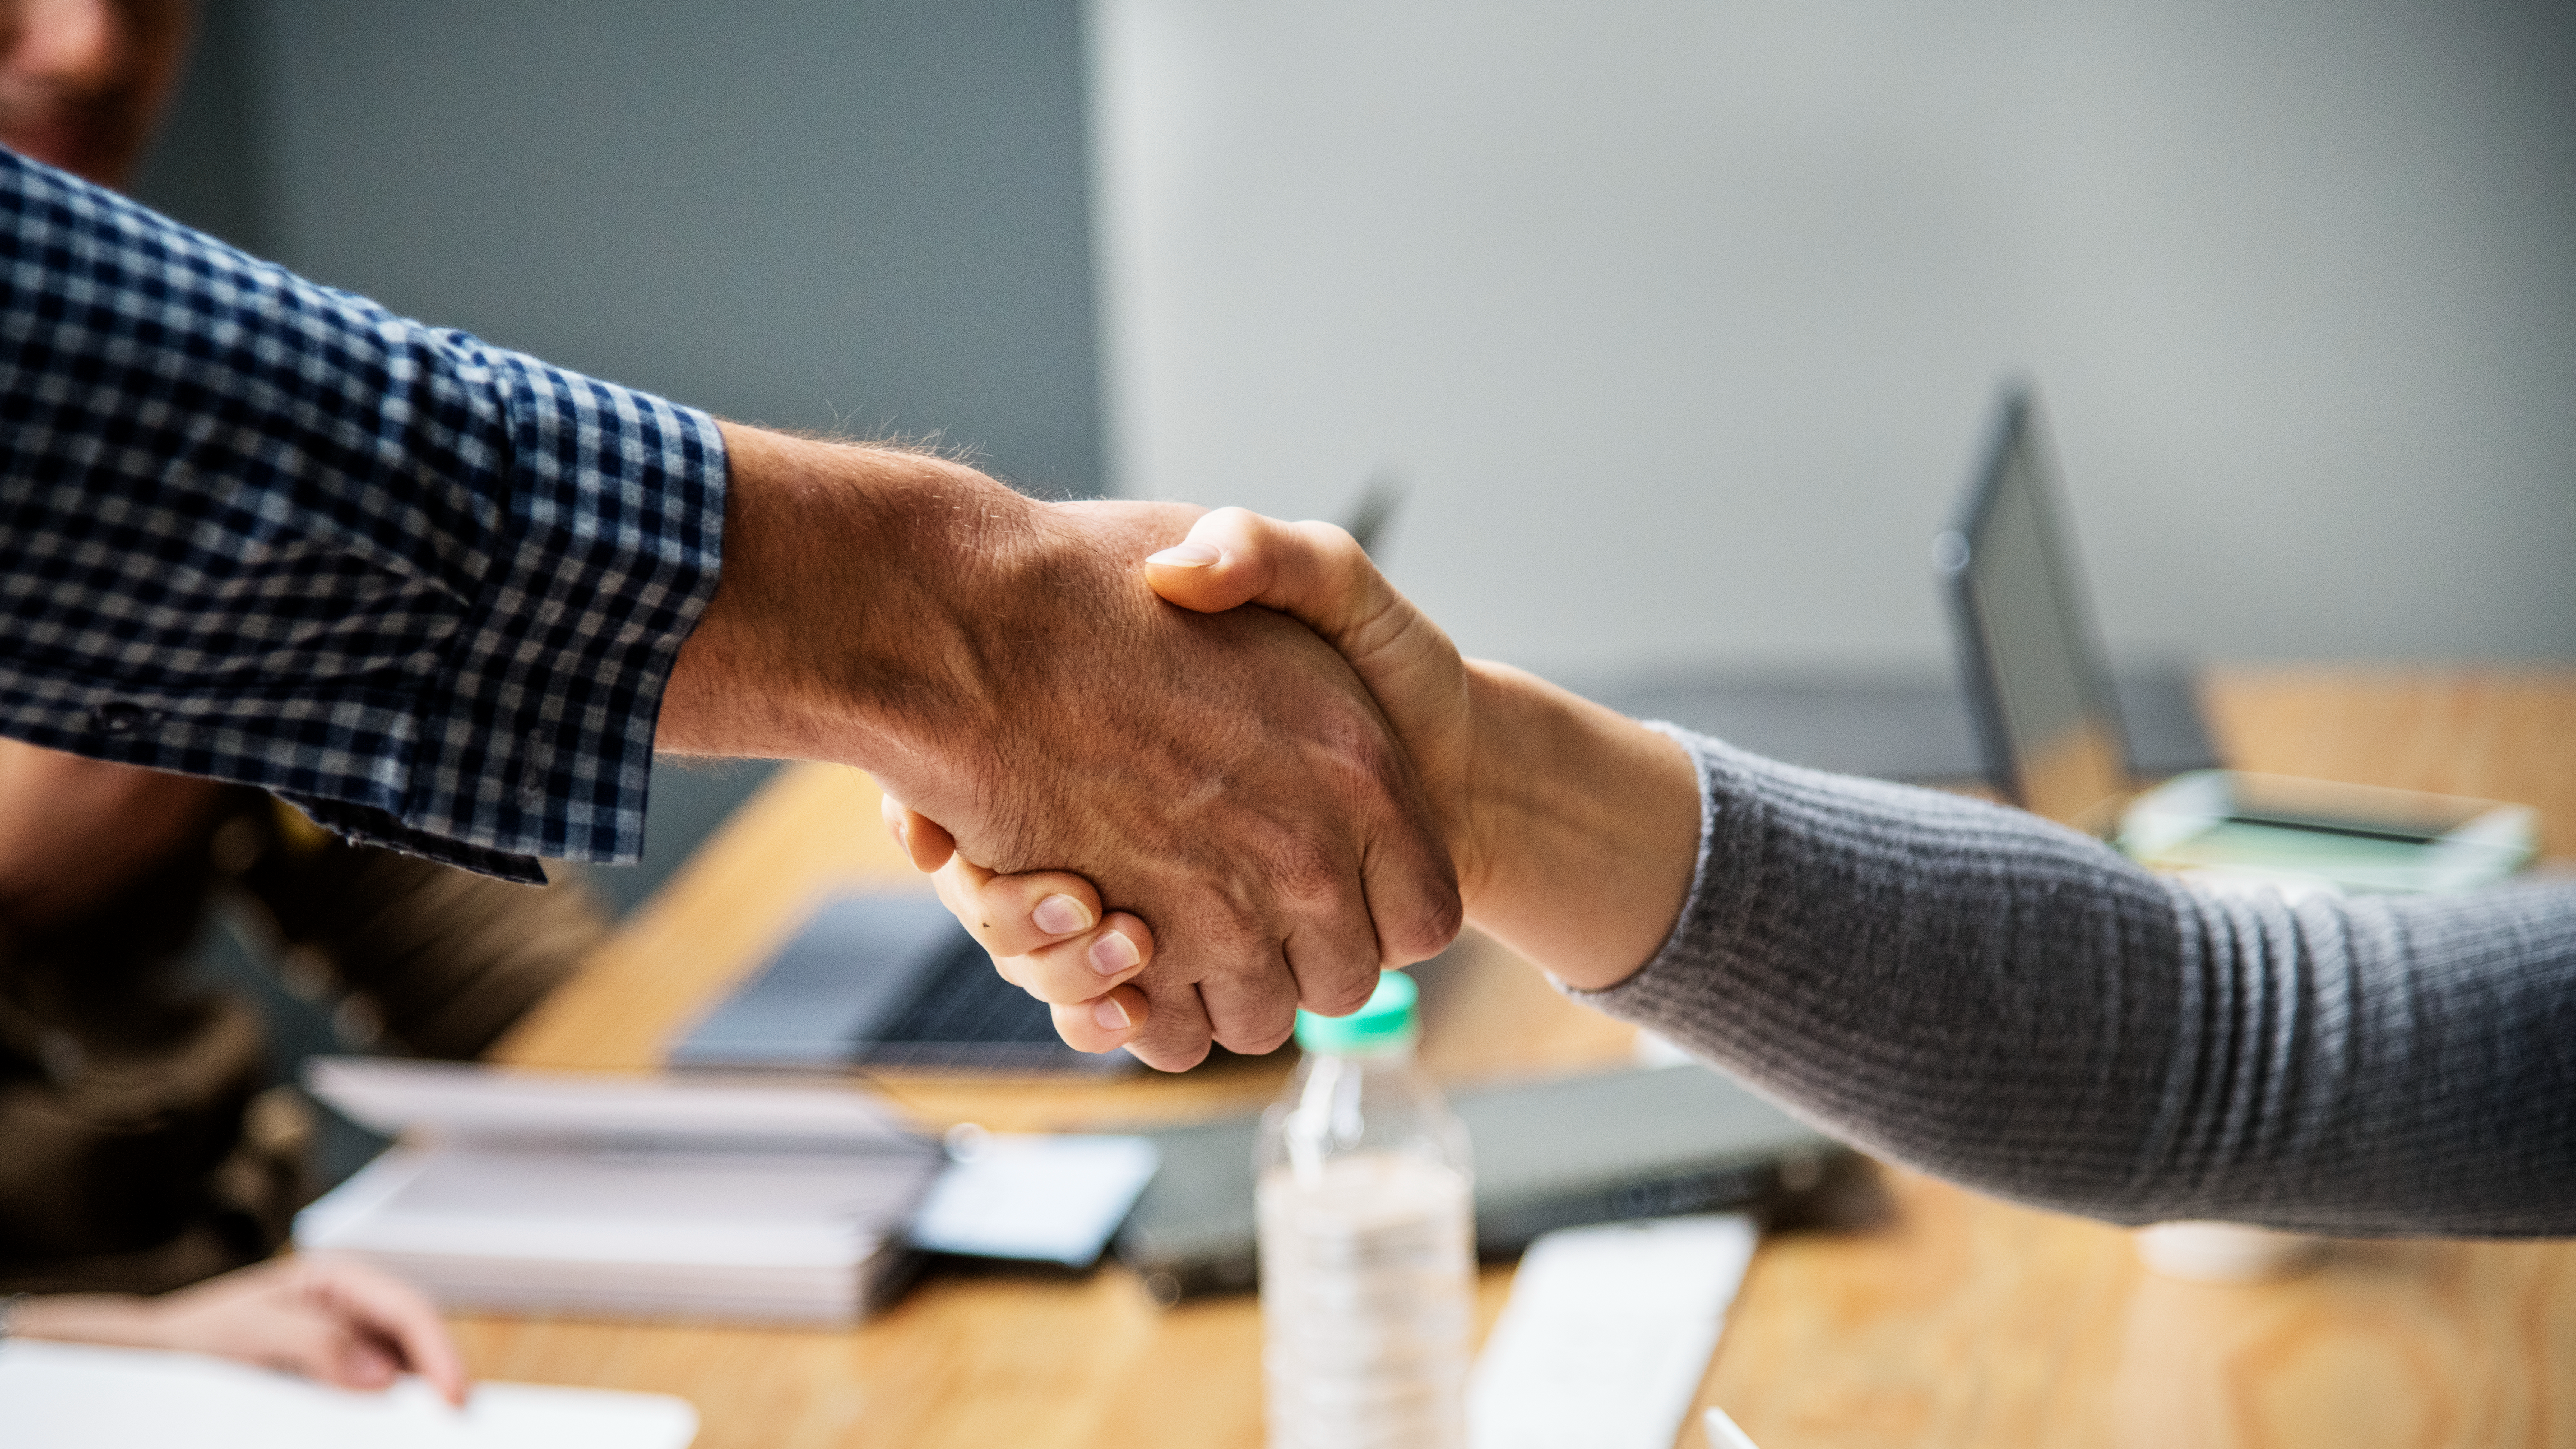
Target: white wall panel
1682, 318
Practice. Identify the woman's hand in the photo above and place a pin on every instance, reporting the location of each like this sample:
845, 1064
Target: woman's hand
1574, 829
1320, 576
330, 1319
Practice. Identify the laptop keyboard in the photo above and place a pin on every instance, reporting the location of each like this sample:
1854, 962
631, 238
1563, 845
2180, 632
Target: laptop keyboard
966, 1017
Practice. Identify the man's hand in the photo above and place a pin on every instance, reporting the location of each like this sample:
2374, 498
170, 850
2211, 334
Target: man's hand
330, 1319
1001, 666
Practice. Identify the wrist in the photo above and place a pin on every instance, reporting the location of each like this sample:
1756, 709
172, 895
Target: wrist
844, 614
1583, 828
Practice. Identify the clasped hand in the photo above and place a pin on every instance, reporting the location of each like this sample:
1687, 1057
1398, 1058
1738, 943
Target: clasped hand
1573, 830
1001, 665
1046, 930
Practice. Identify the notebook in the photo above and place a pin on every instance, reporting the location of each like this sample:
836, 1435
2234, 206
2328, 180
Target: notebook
692, 1198
534, 1192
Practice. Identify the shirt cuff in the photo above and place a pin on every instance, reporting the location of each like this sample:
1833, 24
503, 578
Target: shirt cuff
535, 734
268, 532
365, 825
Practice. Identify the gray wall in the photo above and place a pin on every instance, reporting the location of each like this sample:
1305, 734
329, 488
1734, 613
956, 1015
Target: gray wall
208, 166
1683, 317
826, 215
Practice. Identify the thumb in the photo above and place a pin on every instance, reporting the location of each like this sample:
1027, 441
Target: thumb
1320, 576
924, 840
1313, 572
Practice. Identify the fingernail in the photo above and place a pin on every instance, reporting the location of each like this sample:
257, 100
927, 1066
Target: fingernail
1061, 916
1187, 556
1113, 953
1110, 1015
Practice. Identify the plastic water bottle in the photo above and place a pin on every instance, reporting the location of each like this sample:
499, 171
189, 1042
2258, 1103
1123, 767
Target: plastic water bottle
1368, 1241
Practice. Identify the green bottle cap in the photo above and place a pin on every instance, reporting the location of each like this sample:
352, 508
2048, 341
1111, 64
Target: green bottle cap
1387, 1020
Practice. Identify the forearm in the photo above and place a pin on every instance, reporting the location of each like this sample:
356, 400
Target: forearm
121, 1319
1581, 827
1981, 994
841, 629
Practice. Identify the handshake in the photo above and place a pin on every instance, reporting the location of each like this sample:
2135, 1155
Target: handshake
1181, 773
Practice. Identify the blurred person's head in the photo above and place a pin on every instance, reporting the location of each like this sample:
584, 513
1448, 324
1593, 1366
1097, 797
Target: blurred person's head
83, 81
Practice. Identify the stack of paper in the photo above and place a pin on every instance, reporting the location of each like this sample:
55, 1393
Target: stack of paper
531, 1192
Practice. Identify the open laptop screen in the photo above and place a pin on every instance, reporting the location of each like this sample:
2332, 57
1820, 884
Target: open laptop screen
2043, 700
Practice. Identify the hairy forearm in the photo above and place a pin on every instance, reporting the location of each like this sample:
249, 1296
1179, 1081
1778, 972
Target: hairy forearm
1580, 832
840, 624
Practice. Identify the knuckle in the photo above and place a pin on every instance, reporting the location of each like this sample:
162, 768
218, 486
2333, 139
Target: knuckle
1171, 1059
1259, 1043
1174, 1049
1425, 929
1304, 872
1342, 556
1343, 993
1362, 752
1231, 519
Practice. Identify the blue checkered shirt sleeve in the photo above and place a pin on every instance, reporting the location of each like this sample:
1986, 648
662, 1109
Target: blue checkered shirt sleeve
258, 529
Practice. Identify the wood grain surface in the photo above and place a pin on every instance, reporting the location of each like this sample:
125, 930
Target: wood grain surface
1956, 1320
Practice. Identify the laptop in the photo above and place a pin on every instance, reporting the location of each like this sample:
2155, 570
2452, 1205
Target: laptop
2056, 742
2039, 694
883, 980
2019, 602
1597, 1148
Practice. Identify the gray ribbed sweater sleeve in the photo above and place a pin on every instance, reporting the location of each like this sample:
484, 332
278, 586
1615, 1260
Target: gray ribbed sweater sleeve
1983, 995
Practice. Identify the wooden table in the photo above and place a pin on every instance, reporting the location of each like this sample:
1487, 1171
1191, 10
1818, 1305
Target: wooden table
1959, 1321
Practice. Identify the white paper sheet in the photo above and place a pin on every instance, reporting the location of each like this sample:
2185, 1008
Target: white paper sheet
78, 1396
1607, 1335
1050, 1199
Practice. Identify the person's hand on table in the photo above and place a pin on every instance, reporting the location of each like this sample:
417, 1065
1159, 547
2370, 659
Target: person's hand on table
330, 1319
1572, 828
1001, 665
